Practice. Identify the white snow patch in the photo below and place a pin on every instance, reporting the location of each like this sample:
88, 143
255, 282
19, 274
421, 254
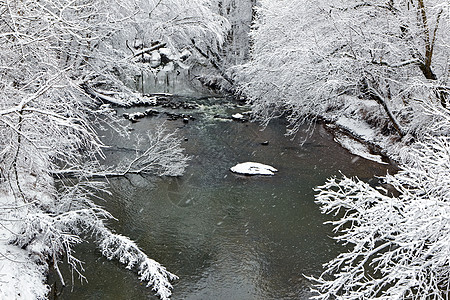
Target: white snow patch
359, 128
237, 116
21, 277
253, 168
165, 51
357, 148
169, 67
185, 54
155, 59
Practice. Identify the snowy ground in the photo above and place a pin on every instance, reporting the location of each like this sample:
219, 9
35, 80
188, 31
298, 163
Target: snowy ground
361, 133
357, 148
20, 276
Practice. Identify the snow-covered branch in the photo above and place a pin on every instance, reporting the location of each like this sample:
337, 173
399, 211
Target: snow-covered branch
399, 244
162, 156
310, 57
50, 51
114, 246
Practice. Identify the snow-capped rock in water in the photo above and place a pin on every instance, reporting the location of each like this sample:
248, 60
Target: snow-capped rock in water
237, 116
252, 168
133, 117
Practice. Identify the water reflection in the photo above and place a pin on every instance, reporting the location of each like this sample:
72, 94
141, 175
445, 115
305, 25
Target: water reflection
226, 236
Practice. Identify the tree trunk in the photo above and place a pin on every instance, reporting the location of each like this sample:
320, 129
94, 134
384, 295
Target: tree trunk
430, 39
375, 95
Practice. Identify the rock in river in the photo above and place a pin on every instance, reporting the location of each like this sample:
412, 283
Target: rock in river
253, 168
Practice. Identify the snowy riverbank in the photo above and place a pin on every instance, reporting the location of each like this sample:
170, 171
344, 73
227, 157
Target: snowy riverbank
22, 276
353, 131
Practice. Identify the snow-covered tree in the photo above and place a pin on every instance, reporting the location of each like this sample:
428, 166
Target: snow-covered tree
54, 55
315, 58
215, 70
309, 56
162, 37
398, 239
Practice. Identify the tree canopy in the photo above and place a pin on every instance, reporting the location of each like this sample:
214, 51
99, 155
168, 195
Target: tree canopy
309, 56
326, 59
54, 54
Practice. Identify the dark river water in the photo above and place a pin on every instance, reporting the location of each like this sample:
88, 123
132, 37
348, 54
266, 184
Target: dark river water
226, 236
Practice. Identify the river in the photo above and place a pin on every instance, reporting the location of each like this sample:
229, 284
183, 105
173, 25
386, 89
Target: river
226, 236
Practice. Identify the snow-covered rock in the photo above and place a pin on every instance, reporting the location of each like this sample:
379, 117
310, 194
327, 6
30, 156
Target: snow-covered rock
146, 58
237, 116
155, 60
165, 51
134, 117
185, 54
253, 168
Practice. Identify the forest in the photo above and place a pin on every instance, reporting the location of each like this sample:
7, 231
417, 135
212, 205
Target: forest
376, 70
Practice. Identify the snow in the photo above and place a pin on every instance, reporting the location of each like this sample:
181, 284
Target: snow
136, 115
253, 168
185, 54
357, 148
165, 51
168, 67
238, 116
21, 277
359, 128
155, 60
